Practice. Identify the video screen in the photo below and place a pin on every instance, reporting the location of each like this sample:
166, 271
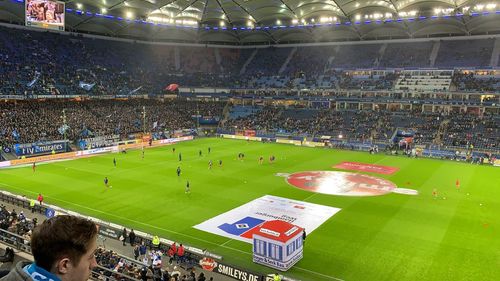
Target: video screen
46, 14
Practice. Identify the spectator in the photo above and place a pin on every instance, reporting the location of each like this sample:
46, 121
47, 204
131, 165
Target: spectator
180, 253
132, 237
123, 236
63, 248
136, 252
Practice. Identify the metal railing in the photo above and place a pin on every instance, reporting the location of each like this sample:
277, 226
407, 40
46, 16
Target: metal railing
16, 241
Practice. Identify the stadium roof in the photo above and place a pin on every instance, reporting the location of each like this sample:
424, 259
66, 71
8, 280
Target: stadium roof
273, 21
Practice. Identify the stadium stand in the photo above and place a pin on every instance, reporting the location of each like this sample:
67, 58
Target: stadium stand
368, 80
242, 111
310, 60
273, 58
465, 53
423, 80
32, 65
470, 81
483, 132
355, 57
27, 122
407, 55
233, 59
463, 130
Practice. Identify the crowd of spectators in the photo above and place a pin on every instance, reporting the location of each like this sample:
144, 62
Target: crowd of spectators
380, 125
154, 265
32, 121
355, 56
471, 82
311, 61
415, 54
349, 124
272, 58
17, 223
465, 53
151, 268
370, 82
466, 130
43, 63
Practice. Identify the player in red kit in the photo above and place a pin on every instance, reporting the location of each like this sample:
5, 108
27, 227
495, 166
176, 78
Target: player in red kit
457, 184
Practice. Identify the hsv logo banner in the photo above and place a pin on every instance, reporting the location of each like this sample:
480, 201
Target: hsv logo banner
240, 223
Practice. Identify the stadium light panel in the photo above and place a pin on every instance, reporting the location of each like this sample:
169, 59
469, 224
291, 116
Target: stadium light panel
359, 19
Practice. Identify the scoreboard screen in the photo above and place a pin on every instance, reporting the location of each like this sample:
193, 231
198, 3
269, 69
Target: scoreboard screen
46, 14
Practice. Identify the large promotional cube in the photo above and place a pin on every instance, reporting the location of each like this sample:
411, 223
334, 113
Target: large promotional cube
277, 244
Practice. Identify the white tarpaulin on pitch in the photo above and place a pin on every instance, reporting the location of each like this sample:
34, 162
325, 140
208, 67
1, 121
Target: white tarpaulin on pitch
239, 222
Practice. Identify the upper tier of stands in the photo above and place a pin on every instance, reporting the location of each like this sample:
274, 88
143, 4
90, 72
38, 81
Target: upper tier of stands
465, 53
57, 63
416, 54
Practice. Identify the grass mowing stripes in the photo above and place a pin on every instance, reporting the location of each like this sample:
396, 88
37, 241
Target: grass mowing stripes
389, 237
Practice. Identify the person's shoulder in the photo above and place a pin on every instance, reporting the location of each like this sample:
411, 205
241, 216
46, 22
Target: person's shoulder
17, 273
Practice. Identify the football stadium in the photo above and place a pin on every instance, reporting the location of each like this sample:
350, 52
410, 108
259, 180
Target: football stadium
252, 140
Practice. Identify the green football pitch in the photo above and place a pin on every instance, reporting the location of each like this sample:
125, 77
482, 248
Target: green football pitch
387, 237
